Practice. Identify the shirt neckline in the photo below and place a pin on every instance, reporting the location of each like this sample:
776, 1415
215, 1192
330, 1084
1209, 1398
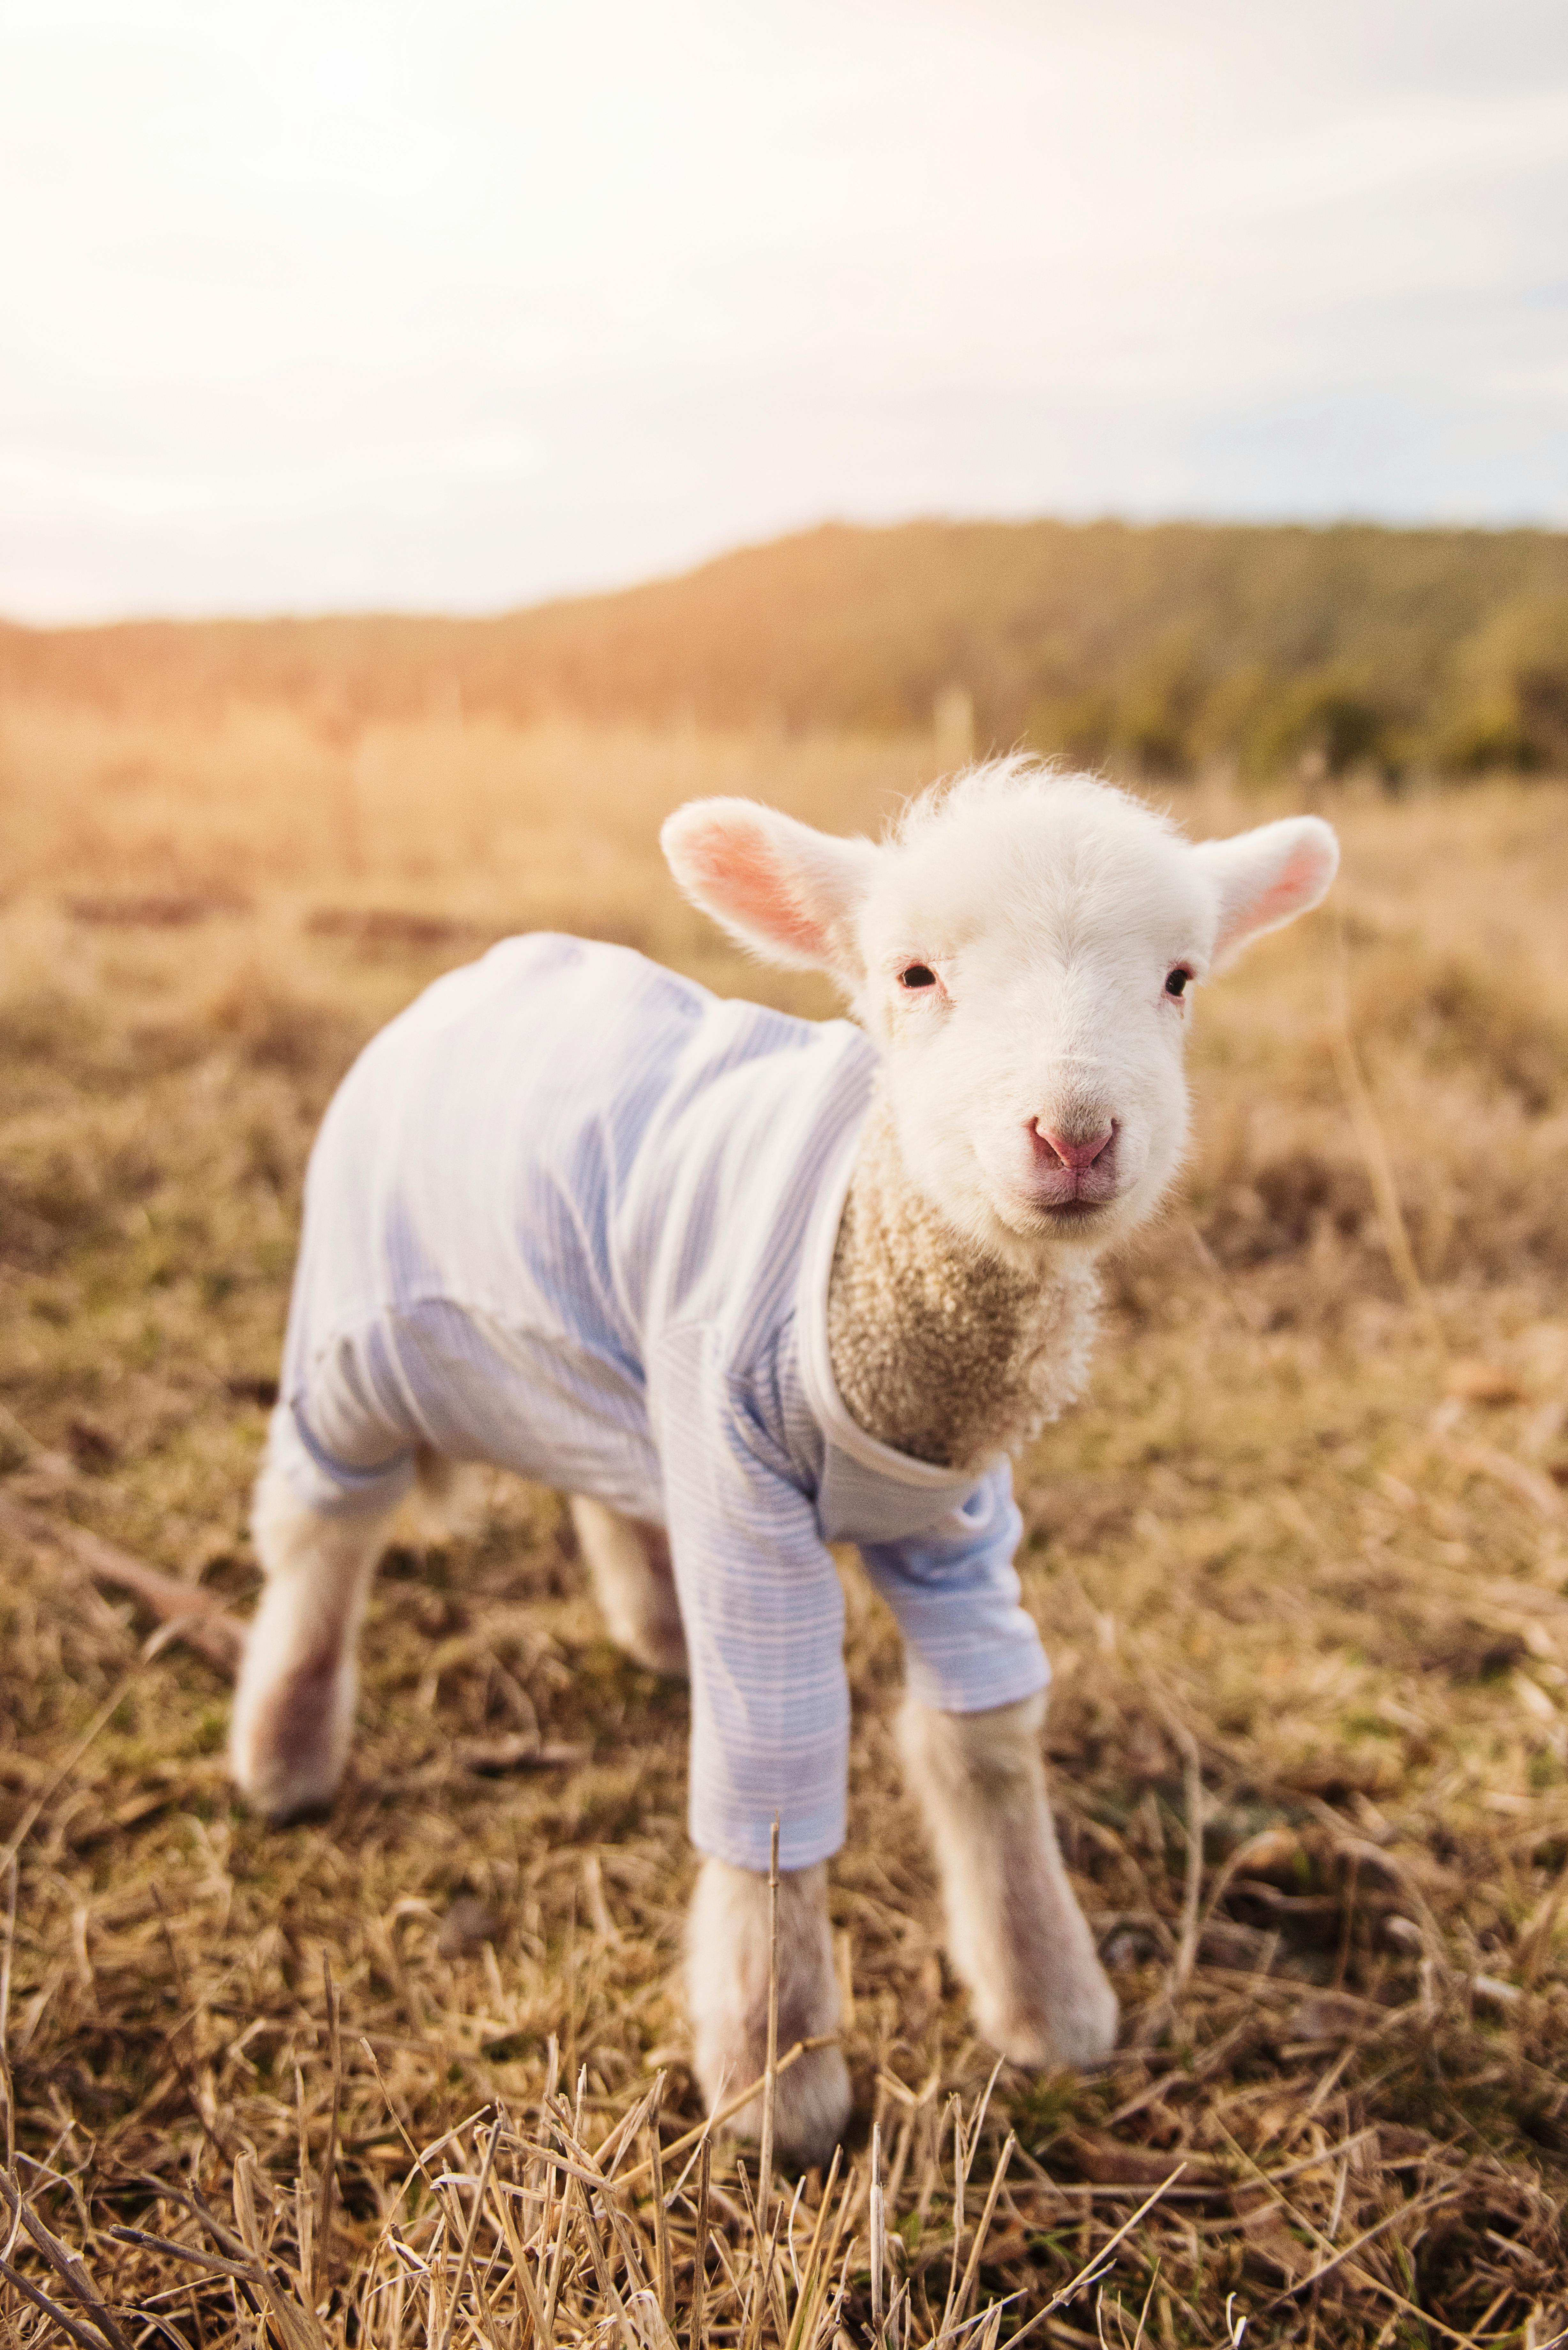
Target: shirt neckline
828, 1407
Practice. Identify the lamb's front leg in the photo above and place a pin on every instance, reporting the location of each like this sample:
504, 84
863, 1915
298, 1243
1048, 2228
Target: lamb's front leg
294, 1707
1015, 1932
727, 1990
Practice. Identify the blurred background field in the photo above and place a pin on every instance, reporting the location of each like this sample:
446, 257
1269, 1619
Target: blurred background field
1167, 648
1302, 1559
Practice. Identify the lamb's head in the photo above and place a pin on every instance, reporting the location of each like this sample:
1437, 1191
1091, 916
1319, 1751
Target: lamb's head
1022, 947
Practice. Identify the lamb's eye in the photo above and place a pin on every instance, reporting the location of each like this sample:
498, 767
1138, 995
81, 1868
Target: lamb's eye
1177, 981
917, 974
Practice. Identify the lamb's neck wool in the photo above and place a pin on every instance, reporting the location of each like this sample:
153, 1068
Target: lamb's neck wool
938, 1349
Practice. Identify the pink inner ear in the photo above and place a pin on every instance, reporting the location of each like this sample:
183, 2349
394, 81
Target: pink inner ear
745, 880
1282, 899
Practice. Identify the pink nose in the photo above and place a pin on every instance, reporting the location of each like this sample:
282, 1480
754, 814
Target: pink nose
1075, 1155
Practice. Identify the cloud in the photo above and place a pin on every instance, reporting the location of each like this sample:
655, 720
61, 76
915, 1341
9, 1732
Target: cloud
468, 306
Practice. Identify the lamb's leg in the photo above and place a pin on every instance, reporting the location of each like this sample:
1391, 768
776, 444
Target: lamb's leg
294, 1707
634, 1584
1015, 1932
727, 1991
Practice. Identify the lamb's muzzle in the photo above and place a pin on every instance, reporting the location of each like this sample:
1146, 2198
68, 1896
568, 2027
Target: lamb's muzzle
1072, 1173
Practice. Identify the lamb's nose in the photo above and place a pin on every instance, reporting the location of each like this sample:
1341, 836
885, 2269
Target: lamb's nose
1075, 1155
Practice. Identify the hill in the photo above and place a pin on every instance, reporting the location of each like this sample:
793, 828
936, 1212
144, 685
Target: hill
1158, 649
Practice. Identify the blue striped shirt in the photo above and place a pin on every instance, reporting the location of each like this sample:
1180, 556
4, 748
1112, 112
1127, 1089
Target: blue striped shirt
574, 1216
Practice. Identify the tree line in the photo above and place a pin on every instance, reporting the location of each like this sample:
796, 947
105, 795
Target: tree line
1156, 649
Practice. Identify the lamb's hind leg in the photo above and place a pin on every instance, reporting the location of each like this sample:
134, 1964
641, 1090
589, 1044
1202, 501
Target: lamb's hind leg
1015, 1932
634, 1583
294, 1707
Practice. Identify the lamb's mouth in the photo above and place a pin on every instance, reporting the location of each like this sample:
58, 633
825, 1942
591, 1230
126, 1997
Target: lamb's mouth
1076, 1215
1029, 1210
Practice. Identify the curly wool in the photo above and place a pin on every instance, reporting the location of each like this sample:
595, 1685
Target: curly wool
938, 1349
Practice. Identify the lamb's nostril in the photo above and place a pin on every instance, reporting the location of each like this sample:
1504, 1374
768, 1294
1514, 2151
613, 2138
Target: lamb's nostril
1067, 1152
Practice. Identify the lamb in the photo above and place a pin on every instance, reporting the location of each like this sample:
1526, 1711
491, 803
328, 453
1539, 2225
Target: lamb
743, 1286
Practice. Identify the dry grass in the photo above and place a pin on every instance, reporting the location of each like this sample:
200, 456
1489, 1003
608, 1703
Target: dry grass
1300, 1560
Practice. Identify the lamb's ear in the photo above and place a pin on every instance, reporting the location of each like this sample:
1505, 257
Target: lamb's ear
785, 891
1265, 878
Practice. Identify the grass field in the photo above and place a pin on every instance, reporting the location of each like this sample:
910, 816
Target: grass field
1302, 1561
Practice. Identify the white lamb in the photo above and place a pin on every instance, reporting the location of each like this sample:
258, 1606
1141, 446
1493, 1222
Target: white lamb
745, 1285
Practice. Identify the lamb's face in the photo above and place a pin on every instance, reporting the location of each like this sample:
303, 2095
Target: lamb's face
1026, 966
1023, 949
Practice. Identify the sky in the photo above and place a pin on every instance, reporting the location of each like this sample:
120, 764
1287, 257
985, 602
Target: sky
456, 306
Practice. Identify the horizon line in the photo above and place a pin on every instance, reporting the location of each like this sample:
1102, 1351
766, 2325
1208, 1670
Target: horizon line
458, 615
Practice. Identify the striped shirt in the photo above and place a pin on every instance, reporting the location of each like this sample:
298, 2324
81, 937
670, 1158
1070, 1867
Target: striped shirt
574, 1216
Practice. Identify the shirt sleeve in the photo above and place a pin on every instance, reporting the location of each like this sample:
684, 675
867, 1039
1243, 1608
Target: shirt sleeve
342, 1448
764, 1615
968, 1641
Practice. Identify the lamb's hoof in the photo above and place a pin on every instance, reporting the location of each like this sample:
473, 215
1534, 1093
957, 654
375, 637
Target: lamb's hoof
284, 1782
281, 1793
285, 1807
652, 1638
811, 2109
298, 1811
1077, 2030
658, 1650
